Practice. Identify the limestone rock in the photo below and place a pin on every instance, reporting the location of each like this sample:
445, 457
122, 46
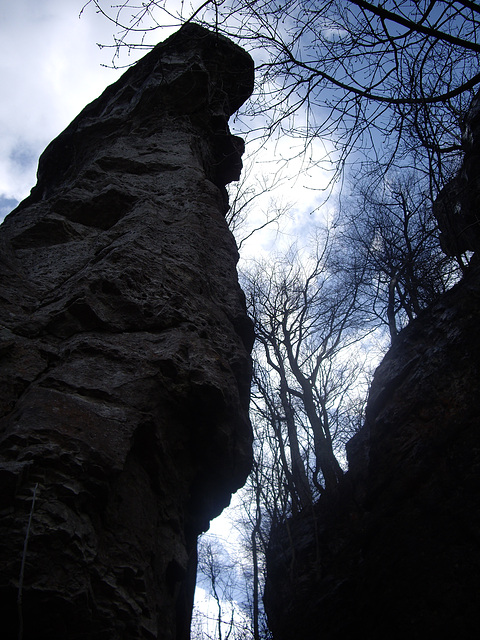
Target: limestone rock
124, 352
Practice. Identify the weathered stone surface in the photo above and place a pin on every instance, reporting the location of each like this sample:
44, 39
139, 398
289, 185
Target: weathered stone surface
124, 352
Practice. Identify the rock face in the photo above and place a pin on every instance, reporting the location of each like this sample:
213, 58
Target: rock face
395, 553
458, 205
124, 351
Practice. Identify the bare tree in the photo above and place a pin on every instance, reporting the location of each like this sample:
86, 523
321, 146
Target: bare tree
307, 394
389, 79
233, 584
252, 205
254, 522
390, 230
217, 573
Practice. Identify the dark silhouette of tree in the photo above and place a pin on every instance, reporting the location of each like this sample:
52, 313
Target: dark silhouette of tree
217, 573
229, 583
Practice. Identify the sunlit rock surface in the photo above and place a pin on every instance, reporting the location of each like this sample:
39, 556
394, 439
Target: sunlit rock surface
124, 352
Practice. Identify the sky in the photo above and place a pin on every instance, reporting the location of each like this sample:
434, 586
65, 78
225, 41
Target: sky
51, 67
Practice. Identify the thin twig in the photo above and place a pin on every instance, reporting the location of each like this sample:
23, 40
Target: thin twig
22, 568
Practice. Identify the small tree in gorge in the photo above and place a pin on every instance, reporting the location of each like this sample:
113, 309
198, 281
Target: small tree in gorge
306, 320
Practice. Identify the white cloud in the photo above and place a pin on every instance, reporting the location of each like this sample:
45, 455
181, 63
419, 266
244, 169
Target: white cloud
292, 188
50, 68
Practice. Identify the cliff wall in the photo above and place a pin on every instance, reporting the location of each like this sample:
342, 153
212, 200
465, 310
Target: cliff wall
124, 353
395, 552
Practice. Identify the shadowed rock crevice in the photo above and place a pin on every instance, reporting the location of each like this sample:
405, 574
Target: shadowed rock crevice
124, 352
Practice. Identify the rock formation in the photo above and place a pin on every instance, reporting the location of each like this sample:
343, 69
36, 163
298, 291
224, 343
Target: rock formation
395, 553
124, 352
458, 205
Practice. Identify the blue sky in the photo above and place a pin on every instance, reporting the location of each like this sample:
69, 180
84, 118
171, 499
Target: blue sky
51, 67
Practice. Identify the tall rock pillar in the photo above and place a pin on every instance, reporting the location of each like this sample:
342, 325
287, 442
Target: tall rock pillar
124, 353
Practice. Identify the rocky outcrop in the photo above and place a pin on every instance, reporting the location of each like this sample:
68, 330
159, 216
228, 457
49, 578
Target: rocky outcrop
395, 551
124, 353
457, 207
